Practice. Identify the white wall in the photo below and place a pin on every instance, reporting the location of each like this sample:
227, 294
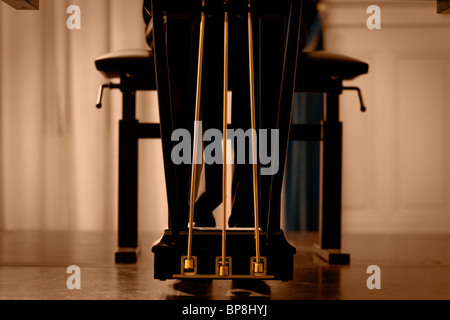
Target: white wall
396, 167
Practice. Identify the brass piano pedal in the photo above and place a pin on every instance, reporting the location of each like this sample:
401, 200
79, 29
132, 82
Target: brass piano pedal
223, 269
258, 268
189, 266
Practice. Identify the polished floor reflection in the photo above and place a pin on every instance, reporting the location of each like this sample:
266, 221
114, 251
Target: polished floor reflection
33, 265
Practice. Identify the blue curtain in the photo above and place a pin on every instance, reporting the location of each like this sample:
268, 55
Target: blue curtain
302, 175
301, 193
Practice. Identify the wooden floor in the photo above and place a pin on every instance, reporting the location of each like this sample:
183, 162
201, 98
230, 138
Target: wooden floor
33, 266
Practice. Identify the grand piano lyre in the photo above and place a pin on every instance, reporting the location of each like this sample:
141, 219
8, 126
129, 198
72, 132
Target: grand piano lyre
261, 252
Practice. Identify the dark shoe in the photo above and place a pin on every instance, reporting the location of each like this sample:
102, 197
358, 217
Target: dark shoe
206, 220
203, 216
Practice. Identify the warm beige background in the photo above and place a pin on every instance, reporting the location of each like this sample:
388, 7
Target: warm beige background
58, 153
397, 155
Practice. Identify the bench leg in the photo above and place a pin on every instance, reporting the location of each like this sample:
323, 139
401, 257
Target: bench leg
128, 183
331, 186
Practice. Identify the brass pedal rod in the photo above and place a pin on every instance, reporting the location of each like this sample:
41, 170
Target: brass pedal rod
224, 270
253, 123
196, 129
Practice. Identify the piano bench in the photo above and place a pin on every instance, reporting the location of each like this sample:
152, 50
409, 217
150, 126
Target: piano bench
135, 70
129, 63
322, 72
319, 72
